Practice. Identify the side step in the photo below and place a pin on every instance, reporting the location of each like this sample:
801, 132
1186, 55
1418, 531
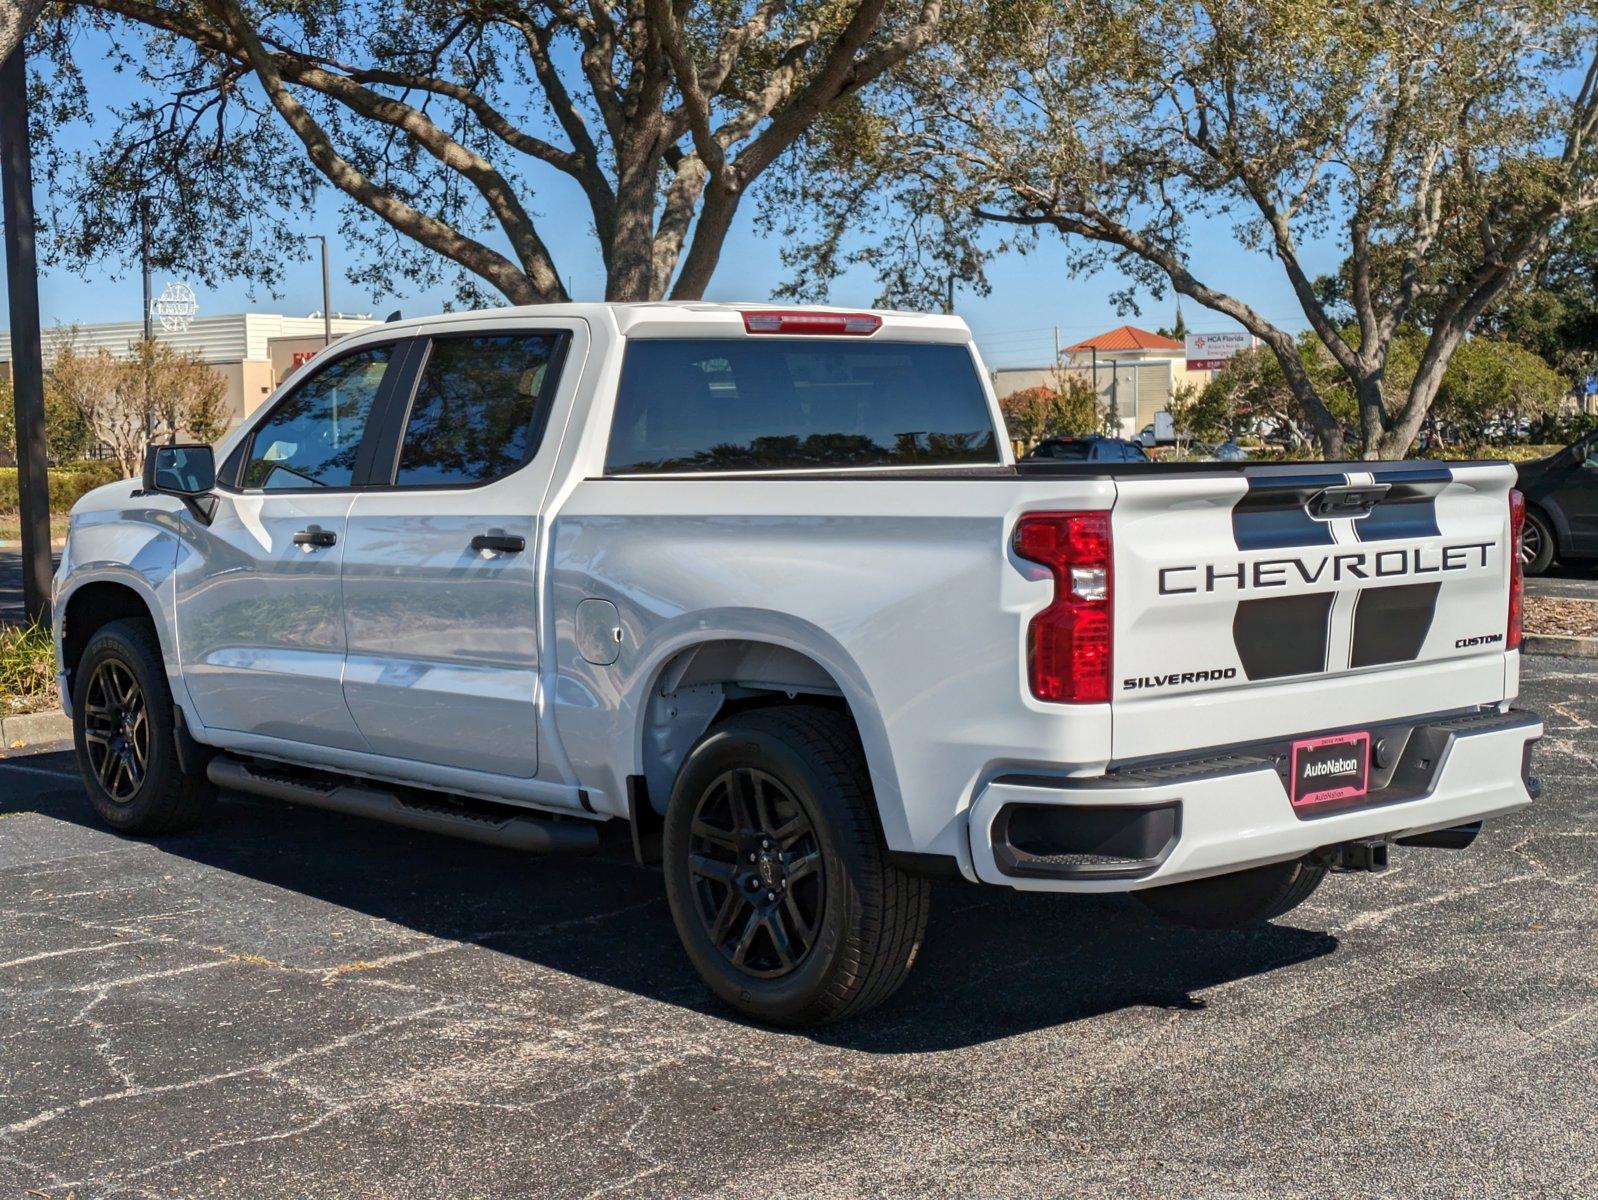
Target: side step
490, 825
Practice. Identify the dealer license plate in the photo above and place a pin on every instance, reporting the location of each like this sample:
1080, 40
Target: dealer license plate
1331, 769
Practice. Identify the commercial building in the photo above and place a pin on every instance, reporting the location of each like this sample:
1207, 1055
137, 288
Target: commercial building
252, 352
1134, 372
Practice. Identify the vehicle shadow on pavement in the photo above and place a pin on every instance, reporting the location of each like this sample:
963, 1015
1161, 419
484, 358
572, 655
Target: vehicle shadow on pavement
994, 964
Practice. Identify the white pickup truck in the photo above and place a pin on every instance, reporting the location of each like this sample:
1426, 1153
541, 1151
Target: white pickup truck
765, 589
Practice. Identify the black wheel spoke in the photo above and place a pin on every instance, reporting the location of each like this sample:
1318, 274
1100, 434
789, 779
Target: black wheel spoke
741, 795
712, 868
802, 928
726, 916
780, 942
726, 839
806, 864
746, 939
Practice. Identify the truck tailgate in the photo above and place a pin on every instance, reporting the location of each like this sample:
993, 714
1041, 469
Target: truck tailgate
1297, 598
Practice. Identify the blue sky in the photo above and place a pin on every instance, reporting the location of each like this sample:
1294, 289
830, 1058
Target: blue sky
1014, 325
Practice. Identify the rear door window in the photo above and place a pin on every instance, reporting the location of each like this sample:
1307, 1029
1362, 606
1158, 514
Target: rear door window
479, 408
764, 404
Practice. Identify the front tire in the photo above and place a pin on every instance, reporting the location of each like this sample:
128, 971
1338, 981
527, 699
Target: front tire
778, 879
1536, 543
1239, 899
122, 728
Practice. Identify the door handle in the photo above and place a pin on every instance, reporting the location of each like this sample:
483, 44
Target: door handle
502, 543
315, 535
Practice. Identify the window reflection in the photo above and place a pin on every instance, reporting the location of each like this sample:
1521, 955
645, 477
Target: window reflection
474, 417
312, 437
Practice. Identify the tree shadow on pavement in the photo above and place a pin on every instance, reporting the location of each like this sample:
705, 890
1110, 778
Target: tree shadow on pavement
995, 963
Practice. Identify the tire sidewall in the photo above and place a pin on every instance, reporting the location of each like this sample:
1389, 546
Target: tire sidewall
114, 643
790, 997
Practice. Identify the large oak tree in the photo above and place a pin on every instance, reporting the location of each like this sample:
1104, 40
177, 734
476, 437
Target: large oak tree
1433, 144
442, 125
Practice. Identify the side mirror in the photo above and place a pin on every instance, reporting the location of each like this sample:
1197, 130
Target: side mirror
183, 471
187, 472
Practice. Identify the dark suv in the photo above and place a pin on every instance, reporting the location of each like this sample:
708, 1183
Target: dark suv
1094, 448
1561, 506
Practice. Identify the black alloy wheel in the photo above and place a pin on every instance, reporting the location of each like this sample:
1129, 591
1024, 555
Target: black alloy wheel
755, 861
124, 728
116, 730
780, 885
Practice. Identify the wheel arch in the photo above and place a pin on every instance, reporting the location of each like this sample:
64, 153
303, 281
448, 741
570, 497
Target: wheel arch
92, 605
1554, 517
694, 683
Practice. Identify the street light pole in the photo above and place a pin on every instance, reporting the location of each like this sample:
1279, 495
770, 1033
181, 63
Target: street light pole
27, 352
327, 294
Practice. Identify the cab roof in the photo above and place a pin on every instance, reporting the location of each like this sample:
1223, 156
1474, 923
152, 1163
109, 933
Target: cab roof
697, 318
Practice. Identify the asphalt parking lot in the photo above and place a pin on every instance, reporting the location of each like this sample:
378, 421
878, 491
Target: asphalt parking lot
291, 1003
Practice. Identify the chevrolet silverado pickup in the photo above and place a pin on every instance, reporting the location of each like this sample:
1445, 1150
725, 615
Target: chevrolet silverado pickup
763, 593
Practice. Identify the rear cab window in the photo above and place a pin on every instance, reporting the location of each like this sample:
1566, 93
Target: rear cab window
696, 405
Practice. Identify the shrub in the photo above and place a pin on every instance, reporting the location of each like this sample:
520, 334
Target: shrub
27, 669
68, 485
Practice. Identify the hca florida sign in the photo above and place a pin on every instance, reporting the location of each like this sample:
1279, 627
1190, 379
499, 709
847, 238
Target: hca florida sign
1212, 351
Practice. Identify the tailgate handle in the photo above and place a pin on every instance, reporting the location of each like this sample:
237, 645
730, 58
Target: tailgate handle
1346, 500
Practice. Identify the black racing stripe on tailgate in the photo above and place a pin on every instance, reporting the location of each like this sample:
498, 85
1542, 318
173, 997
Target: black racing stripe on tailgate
1409, 509
1271, 514
1391, 624
1283, 635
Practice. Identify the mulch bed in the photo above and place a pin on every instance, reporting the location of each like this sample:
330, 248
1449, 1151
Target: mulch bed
1561, 616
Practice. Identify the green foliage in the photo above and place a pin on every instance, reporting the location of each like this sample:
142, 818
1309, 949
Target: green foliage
27, 669
67, 434
1489, 380
1206, 414
68, 485
1036, 413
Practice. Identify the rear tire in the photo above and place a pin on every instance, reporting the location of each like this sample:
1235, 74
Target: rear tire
778, 880
1239, 899
1537, 543
123, 729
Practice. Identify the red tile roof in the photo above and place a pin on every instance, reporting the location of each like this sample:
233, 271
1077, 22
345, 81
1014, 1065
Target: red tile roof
1127, 337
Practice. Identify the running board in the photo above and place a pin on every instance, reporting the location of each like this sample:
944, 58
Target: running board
497, 827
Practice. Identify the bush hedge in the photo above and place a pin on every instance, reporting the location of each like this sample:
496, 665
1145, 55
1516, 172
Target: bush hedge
68, 484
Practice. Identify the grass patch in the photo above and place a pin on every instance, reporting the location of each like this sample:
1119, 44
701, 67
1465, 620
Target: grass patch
27, 670
11, 528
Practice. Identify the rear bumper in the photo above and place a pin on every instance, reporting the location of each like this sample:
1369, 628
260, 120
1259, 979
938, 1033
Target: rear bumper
1162, 823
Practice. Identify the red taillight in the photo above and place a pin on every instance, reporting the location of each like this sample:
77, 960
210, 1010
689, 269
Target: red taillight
1069, 643
1517, 572
801, 321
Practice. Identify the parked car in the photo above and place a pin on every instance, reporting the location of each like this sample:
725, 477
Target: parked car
762, 591
1561, 506
1227, 451
1093, 448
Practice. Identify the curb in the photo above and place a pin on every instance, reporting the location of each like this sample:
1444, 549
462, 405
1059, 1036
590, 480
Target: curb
34, 729
1551, 643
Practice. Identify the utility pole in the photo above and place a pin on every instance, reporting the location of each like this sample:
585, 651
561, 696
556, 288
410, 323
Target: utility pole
149, 316
948, 303
27, 352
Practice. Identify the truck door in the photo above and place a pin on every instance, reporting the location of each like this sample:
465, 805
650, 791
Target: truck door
259, 612
441, 570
